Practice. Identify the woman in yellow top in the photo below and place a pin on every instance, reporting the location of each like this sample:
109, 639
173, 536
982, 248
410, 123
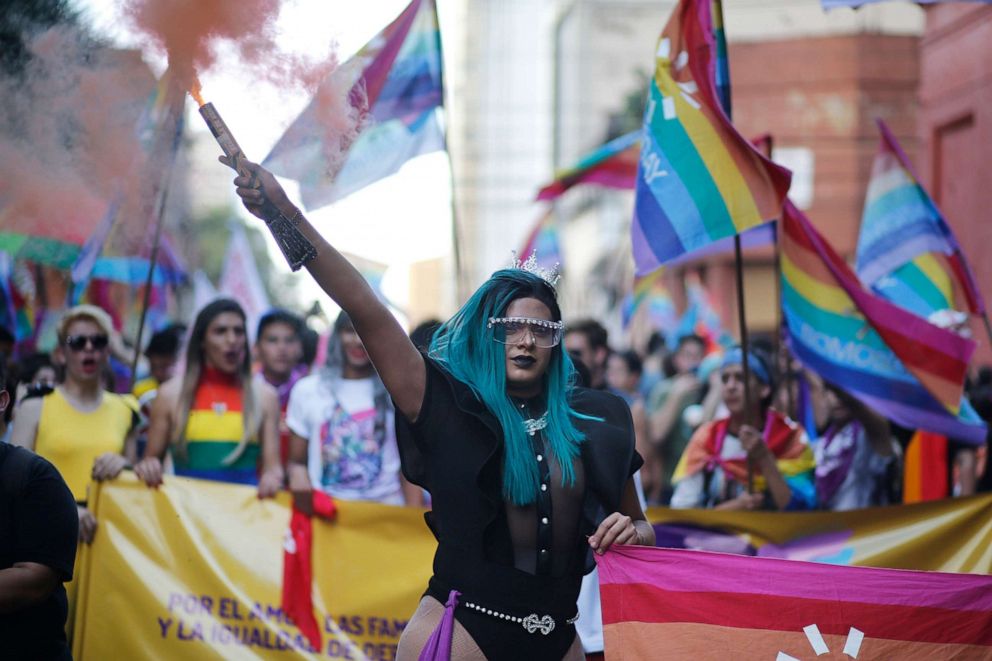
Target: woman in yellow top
85, 431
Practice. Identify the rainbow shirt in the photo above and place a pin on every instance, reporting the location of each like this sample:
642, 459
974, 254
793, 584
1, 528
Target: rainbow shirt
214, 429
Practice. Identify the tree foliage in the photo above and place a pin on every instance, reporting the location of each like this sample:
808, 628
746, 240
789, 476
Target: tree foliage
21, 19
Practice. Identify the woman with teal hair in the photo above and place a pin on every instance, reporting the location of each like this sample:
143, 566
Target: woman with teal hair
528, 474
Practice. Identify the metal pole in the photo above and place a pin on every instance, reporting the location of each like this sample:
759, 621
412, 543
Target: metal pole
717, 7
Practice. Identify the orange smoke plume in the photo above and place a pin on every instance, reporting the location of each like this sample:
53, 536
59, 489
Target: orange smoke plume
194, 91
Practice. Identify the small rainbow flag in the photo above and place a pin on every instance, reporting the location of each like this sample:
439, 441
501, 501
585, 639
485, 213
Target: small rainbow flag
613, 165
906, 250
698, 179
394, 82
894, 361
678, 604
650, 290
544, 239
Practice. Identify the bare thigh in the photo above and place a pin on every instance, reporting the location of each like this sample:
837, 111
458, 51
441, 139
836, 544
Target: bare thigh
420, 627
463, 648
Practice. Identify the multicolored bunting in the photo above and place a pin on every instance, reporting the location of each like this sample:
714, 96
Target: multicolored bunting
665, 603
613, 165
544, 240
894, 361
394, 82
906, 249
698, 179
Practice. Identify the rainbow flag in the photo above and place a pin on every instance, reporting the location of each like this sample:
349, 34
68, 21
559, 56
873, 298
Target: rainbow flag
649, 292
613, 165
545, 241
698, 179
906, 250
677, 604
892, 360
394, 89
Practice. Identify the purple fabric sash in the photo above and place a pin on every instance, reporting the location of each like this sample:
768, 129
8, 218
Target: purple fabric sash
438, 647
832, 470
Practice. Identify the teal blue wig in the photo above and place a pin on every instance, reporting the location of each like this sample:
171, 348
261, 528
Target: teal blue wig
465, 347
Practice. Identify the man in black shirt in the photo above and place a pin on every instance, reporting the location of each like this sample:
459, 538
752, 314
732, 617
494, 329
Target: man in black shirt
38, 532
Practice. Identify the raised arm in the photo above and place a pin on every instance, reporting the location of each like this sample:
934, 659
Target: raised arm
397, 361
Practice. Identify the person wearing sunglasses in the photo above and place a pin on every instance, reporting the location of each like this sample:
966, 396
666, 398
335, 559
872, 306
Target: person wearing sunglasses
86, 432
528, 474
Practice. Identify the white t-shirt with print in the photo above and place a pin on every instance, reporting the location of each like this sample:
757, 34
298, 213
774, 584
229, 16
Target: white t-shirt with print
337, 417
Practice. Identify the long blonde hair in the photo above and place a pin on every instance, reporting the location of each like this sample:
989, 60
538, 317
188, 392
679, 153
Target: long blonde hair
251, 410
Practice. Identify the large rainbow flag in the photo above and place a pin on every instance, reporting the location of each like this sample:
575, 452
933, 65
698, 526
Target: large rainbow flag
677, 604
698, 179
906, 250
394, 84
613, 165
894, 361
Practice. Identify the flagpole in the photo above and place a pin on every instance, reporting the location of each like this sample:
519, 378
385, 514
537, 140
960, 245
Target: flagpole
175, 115
152, 261
455, 233
783, 376
723, 74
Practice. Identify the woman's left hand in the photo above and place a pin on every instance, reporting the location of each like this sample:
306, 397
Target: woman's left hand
617, 528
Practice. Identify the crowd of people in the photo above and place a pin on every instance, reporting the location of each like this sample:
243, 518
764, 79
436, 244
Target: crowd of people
570, 438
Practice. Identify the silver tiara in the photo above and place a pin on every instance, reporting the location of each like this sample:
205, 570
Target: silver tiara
550, 276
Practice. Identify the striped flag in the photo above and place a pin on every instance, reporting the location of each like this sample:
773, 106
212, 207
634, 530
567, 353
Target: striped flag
394, 85
613, 165
698, 179
544, 240
892, 360
650, 291
241, 280
906, 250
833, 4
678, 604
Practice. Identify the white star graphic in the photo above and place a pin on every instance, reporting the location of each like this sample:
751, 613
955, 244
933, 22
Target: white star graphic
851, 646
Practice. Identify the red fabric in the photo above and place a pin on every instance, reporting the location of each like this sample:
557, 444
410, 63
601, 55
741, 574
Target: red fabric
297, 570
781, 435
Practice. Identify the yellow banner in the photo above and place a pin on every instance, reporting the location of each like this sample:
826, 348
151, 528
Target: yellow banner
193, 570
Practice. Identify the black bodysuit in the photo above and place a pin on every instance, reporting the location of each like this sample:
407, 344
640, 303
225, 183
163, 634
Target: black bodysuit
510, 559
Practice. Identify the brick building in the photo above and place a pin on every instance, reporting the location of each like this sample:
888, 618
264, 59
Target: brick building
955, 130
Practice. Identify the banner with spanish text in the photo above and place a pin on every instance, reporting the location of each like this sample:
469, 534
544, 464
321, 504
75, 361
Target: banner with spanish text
193, 570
